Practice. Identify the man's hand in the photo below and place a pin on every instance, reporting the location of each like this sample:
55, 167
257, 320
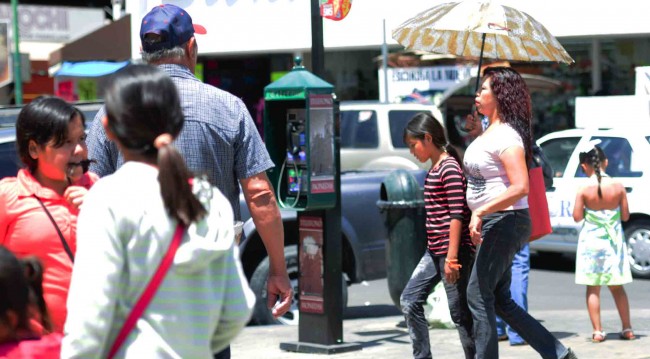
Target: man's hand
279, 287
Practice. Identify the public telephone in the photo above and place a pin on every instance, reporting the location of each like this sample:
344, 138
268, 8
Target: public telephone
299, 136
296, 161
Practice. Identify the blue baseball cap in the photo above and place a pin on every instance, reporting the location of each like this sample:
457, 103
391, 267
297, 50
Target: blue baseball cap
173, 24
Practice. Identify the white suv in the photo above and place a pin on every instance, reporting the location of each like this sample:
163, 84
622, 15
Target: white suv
372, 135
628, 151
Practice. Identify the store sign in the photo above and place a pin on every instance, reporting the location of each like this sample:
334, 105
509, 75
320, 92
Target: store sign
335, 9
6, 71
408, 80
53, 23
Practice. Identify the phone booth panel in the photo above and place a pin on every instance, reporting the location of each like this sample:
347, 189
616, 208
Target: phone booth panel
299, 136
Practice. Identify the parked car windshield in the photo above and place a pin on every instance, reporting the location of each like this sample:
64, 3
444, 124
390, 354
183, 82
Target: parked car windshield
621, 158
558, 151
359, 129
9, 162
397, 120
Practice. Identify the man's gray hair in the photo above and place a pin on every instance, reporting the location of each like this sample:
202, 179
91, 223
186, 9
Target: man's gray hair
174, 53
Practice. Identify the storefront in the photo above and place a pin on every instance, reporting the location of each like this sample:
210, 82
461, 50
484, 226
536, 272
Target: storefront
606, 44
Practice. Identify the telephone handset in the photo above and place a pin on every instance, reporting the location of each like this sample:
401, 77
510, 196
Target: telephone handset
292, 148
296, 154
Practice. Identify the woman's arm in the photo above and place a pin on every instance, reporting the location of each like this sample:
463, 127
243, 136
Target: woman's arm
514, 163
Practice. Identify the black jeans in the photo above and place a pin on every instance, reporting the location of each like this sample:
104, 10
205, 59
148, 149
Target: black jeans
504, 234
428, 273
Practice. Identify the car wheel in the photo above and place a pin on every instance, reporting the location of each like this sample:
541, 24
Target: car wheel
637, 235
261, 314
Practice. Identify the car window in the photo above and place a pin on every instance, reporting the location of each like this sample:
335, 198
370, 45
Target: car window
397, 120
9, 161
558, 151
622, 161
359, 129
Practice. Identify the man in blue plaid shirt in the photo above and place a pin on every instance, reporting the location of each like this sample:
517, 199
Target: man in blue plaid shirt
219, 138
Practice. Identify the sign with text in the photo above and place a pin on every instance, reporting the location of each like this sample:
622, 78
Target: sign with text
404, 81
6, 71
311, 264
53, 23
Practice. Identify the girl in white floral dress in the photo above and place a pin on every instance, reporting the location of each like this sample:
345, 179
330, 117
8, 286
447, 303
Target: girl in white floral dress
601, 257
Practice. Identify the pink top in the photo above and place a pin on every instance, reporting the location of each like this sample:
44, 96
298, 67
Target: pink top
26, 230
46, 347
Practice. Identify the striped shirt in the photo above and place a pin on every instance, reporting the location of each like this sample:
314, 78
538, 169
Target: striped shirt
444, 198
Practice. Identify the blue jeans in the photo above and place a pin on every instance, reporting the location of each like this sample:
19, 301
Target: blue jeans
488, 292
519, 291
428, 273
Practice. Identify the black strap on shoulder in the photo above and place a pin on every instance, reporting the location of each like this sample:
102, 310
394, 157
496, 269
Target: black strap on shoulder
63, 241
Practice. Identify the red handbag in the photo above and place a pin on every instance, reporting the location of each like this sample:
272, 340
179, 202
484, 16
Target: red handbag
538, 205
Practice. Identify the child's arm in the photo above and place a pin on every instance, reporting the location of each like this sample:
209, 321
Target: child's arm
579, 207
451, 263
625, 210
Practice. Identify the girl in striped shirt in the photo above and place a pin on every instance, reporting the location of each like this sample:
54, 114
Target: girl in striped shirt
450, 253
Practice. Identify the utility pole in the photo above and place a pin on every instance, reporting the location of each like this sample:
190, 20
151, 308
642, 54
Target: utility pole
18, 82
317, 48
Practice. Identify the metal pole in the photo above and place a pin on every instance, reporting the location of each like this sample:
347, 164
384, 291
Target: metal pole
480, 61
317, 47
384, 66
18, 82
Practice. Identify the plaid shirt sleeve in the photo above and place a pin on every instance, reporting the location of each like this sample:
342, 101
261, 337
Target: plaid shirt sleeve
251, 156
100, 148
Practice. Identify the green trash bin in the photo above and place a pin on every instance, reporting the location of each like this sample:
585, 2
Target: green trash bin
402, 201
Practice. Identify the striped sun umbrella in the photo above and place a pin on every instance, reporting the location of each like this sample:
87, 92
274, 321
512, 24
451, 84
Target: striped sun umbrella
480, 29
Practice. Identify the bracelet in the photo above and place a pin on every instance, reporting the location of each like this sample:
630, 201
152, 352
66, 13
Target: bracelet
447, 260
454, 265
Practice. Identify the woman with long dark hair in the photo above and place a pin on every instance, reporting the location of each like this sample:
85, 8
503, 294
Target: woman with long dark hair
125, 231
497, 175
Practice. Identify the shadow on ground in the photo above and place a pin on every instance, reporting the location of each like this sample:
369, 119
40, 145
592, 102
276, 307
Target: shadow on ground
553, 261
384, 336
371, 311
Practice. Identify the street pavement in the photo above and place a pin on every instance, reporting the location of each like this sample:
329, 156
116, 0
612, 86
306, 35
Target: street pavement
385, 337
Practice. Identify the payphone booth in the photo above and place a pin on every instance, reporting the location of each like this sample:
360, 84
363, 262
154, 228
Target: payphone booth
301, 137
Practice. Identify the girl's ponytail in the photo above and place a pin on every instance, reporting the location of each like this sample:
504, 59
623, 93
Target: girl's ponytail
175, 189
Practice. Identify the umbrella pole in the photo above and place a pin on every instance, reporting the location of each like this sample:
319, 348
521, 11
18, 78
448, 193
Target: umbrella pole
480, 60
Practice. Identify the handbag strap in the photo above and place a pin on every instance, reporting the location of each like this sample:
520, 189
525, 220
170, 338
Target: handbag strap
58, 230
149, 292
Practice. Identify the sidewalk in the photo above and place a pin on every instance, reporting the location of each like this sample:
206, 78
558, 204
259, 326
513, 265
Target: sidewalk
382, 338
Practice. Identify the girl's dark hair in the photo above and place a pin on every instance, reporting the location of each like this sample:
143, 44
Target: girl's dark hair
424, 123
513, 102
594, 158
21, 285
142, 103
34, 273
44, 120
